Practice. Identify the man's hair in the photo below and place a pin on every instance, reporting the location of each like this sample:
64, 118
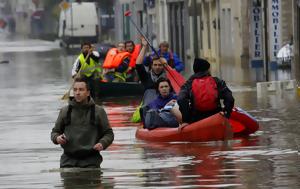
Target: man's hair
86, 43
82, 79
155, 57
163, 79
164, 43
129, 41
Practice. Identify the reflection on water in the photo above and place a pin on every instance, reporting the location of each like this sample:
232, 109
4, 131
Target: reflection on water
31, 86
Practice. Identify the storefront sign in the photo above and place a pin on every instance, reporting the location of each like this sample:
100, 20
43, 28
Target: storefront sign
256, 37
275, 30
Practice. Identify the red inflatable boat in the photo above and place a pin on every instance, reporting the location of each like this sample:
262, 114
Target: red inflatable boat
212, 128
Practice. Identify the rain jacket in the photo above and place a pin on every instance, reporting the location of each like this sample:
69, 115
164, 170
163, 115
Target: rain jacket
82, 128
172, 58
185, 100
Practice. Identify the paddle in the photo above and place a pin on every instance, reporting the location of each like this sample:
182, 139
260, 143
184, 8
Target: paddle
67, 94
177, 80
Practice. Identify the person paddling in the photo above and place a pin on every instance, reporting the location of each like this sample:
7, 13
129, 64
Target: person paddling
88, 64
156, 71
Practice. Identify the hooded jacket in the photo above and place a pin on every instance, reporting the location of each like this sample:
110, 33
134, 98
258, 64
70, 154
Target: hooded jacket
82, 129
185, 99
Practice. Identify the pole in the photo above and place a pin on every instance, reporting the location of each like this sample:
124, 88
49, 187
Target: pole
128, 14
195, 33
72, 33
266, 36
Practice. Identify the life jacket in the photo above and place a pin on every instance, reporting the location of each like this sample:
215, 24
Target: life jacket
205, 93
134, 55
87, 69
109, 58
113, 59
119, 59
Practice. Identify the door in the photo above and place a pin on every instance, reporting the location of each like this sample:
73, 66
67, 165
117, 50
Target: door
176, 17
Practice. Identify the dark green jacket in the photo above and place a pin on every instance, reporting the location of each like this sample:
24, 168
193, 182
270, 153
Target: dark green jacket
81, 130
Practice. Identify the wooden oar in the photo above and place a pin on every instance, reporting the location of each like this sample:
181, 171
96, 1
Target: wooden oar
67, 94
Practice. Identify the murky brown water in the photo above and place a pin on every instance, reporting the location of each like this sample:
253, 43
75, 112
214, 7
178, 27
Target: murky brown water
30, 88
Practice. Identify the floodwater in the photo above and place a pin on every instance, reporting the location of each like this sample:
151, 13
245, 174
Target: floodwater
37, 75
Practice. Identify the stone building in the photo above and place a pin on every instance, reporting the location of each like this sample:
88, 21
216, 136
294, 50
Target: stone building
221, 31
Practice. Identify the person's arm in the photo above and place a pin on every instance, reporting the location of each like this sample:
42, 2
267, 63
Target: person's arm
95, 56
57, 135
140, 58
179, 66
123, 66
106, 132
183, 100
142, 73
226, 95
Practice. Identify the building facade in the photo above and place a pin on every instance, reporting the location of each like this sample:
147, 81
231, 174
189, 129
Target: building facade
221, 31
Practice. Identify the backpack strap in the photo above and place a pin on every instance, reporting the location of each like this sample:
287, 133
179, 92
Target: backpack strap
68, 117
67, 120
93, 112
217, 80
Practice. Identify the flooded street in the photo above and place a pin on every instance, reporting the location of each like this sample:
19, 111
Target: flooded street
38, 74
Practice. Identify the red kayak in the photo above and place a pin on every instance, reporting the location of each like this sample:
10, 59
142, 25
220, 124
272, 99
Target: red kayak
212, 128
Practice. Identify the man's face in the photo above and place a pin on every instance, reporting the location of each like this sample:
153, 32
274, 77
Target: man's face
121, 47
85, 49
164, 48
81, 93
164, 88
157, 67
129, 47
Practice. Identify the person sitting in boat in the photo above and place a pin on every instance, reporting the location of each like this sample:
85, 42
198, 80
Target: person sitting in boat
134, 50
171, 57
116, 64
148, 78
156, 71
162, 111
200, 96
88, 65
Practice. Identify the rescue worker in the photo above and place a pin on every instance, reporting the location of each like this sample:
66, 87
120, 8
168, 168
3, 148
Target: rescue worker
88, 65
82, 129
171, 57
134, 50
200, 96
116, 64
